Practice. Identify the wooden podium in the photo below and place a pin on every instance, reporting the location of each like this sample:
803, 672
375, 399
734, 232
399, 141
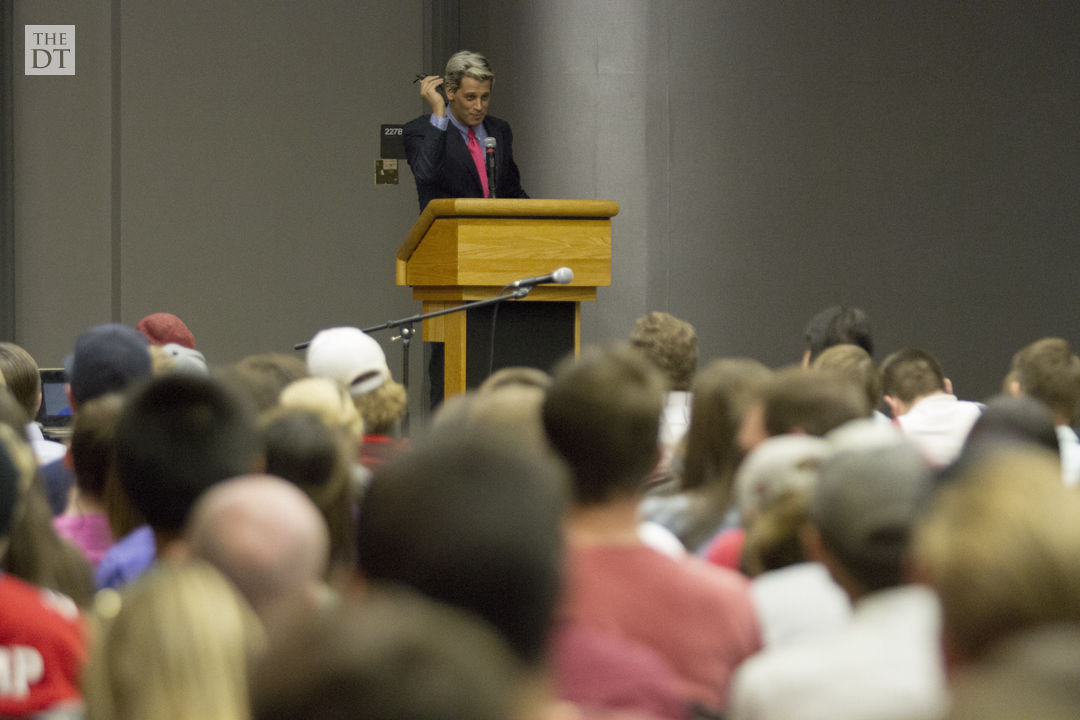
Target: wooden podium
465, 249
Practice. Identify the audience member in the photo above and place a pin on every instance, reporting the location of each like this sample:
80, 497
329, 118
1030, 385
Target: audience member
23, 378
780, 464
922, 402
383, 410
510, 414
164, 329
670, 344
329, 400
546, 598
854, 364
35, 553
474, 521
508, 409
772, 539
356, 360
107, 358
810, 402
42, 633
837, 325
885, 662
177, 358
795, 597
801, 596
777, 465
261, 378
177, 435
300, 447
801, 401
85, 523
269, 539
1006, 421
393, 655
516, 376
999, 545
1034, 674
601, 414
473, 524
722, 393
350, 356
175, 645
1047, 370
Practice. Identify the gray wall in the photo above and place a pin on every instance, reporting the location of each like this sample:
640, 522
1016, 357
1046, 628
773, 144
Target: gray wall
214, 160
771, 158
63, 147
916, 159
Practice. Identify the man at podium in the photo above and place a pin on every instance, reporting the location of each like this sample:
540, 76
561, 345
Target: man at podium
448, 150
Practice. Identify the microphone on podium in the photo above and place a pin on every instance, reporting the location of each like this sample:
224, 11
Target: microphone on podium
562, 276
489, 161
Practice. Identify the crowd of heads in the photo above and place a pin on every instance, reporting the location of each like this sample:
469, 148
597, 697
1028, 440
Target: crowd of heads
256, 540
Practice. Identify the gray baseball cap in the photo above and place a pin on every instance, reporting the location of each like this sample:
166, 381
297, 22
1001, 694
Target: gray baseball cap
868, 495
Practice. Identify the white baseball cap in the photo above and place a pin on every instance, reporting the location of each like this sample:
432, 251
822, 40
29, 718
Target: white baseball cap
349, 356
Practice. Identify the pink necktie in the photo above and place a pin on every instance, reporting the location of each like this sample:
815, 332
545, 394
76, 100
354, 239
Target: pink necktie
478, 158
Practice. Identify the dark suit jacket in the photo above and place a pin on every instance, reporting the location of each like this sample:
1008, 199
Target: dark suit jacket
442, 166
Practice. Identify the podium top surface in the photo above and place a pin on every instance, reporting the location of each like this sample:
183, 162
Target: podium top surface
509, 208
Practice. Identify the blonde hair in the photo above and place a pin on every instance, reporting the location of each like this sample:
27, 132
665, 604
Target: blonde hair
856, 366
1000, 547
772, 540
670, 344
466, 63
176, 646
382, 408
328, 399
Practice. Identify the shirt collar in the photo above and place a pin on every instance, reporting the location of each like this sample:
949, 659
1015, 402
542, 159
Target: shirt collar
480, 130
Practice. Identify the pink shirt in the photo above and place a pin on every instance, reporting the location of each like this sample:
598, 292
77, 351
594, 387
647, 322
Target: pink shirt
89, 533
698, 618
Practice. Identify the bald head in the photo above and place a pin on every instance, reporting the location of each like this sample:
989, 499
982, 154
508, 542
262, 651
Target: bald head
266, 536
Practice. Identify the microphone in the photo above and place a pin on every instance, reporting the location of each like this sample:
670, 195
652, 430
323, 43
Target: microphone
489, 158
559, 277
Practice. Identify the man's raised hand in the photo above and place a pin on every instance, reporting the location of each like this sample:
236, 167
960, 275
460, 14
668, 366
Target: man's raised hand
429, 90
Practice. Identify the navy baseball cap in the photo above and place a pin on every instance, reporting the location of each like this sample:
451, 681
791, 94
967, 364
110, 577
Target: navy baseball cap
107, 358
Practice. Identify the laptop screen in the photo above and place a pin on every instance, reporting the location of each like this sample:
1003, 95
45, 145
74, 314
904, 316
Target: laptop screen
55, 410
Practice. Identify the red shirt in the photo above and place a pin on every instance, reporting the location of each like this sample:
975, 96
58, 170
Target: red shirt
42, 648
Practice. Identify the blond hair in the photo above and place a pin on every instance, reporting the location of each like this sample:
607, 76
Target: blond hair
326, 398
382, 408
466, 63
856, 366
670, 344
1000, 546
175, 646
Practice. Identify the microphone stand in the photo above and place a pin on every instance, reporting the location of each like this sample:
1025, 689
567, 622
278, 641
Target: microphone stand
407, 332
